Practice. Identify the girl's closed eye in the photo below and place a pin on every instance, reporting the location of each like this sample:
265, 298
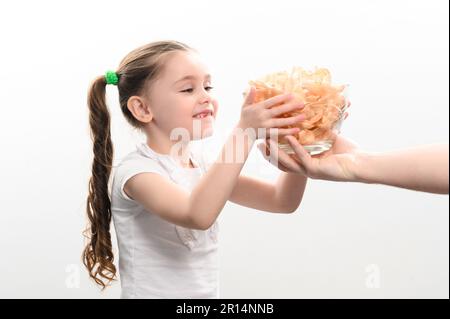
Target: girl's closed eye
190, 90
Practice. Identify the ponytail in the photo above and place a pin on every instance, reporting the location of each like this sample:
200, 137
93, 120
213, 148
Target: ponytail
139, 68
97, 255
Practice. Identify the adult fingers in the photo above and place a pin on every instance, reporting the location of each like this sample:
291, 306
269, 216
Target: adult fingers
302, 155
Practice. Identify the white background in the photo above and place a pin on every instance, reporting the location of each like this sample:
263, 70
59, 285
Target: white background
345, 241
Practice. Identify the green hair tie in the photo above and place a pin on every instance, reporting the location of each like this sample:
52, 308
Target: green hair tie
111, 77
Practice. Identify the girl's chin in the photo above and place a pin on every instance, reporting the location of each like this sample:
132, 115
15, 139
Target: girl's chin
202, 129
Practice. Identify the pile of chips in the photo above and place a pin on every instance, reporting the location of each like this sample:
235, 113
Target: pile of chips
324, 102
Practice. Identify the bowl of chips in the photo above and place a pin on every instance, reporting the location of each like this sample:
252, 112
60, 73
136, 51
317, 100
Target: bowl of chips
324, 110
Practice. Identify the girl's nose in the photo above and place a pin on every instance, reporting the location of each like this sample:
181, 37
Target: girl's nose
205, 97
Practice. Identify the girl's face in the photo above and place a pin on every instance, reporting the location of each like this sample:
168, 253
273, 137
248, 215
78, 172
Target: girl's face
183, 91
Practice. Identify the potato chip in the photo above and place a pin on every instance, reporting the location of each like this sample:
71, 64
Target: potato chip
324, 102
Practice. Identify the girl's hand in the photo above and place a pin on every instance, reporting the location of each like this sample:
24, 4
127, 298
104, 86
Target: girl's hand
262, 116
336, 164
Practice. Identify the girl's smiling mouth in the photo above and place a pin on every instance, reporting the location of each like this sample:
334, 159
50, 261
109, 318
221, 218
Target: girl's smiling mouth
204, 114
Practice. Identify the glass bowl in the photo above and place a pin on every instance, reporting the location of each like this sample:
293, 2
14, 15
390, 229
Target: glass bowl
325, 105
316, 139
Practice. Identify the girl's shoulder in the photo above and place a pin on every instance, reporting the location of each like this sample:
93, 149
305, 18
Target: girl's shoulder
136, 161
131, 165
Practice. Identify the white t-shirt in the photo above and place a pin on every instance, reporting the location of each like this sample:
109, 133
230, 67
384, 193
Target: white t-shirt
158, 259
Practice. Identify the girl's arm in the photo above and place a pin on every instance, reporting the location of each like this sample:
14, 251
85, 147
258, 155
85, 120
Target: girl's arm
283, 197
201, 207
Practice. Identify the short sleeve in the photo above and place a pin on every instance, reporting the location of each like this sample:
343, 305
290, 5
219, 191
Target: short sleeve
130, 168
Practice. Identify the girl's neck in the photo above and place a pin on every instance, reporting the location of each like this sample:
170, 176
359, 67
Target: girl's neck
179, 151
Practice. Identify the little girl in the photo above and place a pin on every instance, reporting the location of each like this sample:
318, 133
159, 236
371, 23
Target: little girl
164, 204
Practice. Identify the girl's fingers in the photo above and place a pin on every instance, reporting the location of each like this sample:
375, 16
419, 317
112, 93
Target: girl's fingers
266, 153
283, 168
345, 115
282, 158
262, 149
275, 132
280, 122
273, 154
281, 98
288, 107
250, 97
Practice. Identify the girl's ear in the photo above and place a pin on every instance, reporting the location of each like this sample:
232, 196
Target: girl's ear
140, 109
